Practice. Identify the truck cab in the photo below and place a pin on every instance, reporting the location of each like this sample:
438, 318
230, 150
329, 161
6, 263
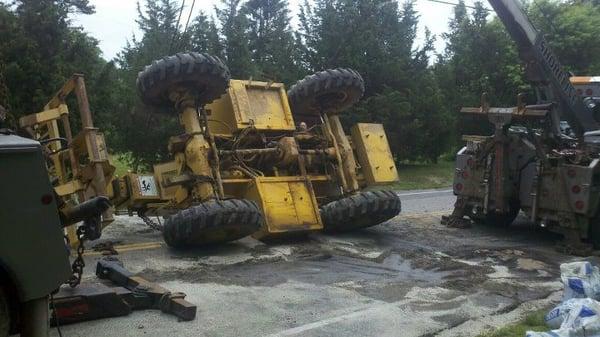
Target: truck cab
34, 260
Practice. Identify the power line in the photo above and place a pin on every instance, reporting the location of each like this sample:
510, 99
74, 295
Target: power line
188, 18
455, 4
176, 26
181, 42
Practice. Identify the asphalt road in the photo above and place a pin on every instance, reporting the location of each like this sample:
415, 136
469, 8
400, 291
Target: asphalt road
408, 277
424, 201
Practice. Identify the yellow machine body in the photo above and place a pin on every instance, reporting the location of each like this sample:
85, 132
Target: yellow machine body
288, 204
374, 154
287, 170
143, 189
288, 199
263, 105
163, 172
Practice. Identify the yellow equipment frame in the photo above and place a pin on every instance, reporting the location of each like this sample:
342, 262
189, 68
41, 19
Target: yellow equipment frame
51, 126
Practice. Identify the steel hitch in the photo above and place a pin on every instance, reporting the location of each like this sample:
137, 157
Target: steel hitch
86, 210
148, 295
118, 294
90, 212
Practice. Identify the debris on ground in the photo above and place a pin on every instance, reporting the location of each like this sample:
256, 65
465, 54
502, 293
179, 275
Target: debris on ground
581, 280
579, 313
455, 221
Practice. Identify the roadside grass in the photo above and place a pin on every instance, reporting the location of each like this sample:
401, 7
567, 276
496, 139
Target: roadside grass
424, 175
534, 322
121, 166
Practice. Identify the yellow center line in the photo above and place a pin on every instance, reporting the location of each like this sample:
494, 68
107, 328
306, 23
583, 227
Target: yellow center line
130, 247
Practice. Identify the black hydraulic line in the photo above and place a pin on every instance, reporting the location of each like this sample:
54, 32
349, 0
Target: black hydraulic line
250, 151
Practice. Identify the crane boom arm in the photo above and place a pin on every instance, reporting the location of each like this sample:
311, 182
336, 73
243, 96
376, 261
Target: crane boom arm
543, 63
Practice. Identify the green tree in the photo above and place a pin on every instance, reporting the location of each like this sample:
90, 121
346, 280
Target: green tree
271, 40
141, 130
234, 26
573, 31
204, 36
479, 57
377, 38
41, 49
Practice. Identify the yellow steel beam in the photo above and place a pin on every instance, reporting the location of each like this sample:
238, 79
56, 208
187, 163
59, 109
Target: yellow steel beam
70, 187
66, 89
44, 116
345, 150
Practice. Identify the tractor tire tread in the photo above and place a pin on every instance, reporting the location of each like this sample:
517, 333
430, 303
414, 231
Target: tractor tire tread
304, 94
212, 222
361, 210
195, 70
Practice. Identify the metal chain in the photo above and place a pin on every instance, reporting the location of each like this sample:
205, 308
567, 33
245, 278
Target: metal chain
78, 263
150, 223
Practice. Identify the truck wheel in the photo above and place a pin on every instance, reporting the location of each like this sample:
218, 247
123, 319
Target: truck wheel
594, 231
331, 91
212, 222
361, 210
206, 75
502, 220
4, 313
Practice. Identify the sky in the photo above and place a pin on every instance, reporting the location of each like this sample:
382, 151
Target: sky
114, 21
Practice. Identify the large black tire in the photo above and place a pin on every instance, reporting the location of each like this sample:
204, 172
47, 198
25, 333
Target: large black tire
361, 210
206, 75
4, 313
212, 222
329, 91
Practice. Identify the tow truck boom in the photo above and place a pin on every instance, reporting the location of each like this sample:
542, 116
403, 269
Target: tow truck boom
544, 70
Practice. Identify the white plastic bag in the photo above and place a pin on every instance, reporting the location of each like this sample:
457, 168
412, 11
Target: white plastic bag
579, 313
555, 317
580, 280
581, 319
542, 334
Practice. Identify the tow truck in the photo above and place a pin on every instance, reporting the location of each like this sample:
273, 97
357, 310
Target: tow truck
542, 159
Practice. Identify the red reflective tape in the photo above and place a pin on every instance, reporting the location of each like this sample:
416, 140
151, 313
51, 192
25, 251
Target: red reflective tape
72, 311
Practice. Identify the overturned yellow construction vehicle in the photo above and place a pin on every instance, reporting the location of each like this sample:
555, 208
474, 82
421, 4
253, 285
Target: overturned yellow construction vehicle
254, 159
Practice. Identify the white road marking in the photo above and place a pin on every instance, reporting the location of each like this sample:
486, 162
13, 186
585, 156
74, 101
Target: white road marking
426, 192
360, 312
